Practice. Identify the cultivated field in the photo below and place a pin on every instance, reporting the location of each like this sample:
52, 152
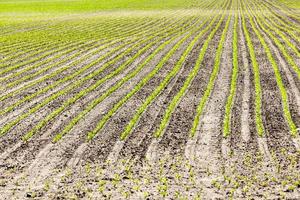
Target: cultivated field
129, 99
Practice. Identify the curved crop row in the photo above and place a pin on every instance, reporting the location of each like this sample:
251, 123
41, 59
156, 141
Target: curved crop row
96, 85
164, 83
277, 27
76, 84
113, 89
280, 84
54, 96
47, 49
133, 121
176, 99
281, 47
6, 49
110, 42
38, 58
278, 23
258, 92
288, 9
233, 83
277, 31
55, 62
212, 79
16, 64
143, 82
67, 78
287, 13
57, 54
57, 72
34, 41
44, 68
16, 54
84, 92
62, 29
75, 120
285, 22
276, 16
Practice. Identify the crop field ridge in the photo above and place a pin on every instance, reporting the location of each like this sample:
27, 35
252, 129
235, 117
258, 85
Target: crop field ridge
147, 99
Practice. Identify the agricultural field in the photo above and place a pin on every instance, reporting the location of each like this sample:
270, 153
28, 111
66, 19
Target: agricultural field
149, 99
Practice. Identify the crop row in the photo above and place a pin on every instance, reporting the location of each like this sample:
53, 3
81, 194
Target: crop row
211, 83
99, 82
280, 84
81, 81
281, 46
30, 76
108, 43
87, 62
143, 82
233, 83
49, 51
285, 22
164, 83
112, 89
176, 99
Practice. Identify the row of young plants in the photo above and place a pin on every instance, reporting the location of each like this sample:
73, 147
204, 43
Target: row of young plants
84, 92
86, 42
284, 10
283, 37
173, 73
98, 100
233, 82
80, 26
281, 47
64, 91
57, 53
152, 96
25, 49
280, 84
177, 98
74, 27
257, 86
106, 44
285, 22
76, 84
90, 66
81, 37
274, 16
7, 48
278, 30
33, 40
51, 64
38, 38
115, 87
283, 29
130, 126
46, 51
112, 89
60, 29
211, 83
84, 56
107, 77
122, 82
276, 24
